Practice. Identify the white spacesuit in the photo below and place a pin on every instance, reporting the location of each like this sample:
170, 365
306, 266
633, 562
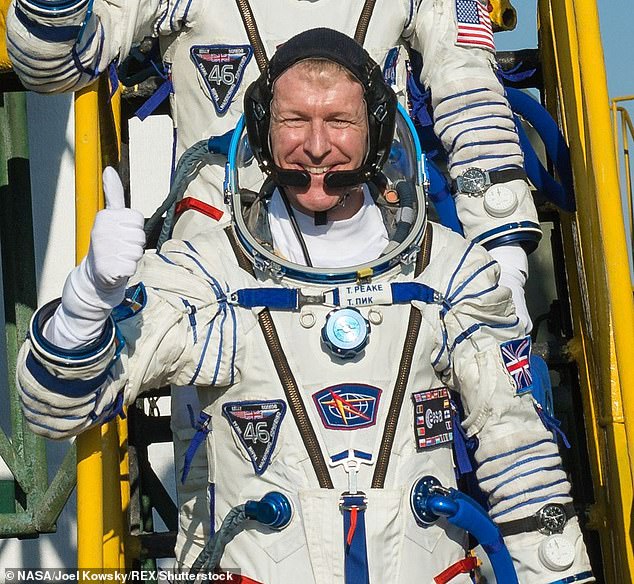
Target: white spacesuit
62, 46
192, 316
210, 62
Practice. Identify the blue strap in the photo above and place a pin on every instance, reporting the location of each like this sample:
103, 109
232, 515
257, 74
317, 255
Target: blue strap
552, 424
515, 74
575, 578
202, 429
156, 99
280, 298
288, 298
116, 409
356, 554
460, 440
114, 79
405, 292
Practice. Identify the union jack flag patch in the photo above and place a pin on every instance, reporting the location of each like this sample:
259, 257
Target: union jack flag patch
474, 25
516, 355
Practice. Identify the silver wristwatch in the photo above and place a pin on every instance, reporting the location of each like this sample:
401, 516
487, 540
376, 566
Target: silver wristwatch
475, 181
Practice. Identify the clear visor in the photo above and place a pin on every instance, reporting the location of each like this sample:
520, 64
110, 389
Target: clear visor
399, 191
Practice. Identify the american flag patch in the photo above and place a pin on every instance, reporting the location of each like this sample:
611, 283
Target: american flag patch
474, 25
516, 355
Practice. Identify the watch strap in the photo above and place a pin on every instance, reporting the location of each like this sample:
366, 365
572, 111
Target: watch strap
531, 523
506, 175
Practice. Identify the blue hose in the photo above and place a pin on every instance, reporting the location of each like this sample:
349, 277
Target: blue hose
430, 501
440, 196
561, 194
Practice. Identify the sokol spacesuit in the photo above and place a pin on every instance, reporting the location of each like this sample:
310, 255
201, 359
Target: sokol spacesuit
63, 45
301, 363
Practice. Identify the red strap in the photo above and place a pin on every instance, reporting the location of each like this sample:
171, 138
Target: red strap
196, 205
353, 525
463, 566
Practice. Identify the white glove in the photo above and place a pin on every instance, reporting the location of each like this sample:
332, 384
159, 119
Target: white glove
98, 283
513, 274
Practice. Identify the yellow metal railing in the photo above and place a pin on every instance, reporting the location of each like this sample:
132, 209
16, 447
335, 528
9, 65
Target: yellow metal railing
102, 486
5, 64
598, 270
619, 113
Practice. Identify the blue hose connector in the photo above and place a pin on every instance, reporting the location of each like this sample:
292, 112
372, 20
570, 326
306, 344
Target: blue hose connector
274, 510
430, 501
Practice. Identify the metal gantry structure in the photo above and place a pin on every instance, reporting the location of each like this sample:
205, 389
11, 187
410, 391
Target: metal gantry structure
592, 271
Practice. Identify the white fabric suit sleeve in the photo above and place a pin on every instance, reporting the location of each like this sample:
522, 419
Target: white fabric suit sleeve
485, 356
472, 118
174, 326
54, 53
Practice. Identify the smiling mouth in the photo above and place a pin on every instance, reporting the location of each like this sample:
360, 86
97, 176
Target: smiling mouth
316, 169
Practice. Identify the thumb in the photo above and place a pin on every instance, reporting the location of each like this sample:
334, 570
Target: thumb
112, 189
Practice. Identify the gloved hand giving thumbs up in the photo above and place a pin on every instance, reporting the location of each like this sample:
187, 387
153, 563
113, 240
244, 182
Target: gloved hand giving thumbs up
98, 283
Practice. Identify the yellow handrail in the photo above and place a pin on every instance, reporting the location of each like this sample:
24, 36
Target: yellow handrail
627, 131
102, 493
598, 270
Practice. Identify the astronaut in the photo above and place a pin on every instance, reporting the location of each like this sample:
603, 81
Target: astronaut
327, 362
62, 45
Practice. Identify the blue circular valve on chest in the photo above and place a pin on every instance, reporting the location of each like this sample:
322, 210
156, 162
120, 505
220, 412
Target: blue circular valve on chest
346, 332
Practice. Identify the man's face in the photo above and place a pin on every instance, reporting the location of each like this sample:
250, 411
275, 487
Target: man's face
318, 124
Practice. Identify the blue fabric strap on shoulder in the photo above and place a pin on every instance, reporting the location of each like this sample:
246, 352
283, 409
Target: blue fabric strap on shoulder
355, 547
202, 429
405, 292
280, 298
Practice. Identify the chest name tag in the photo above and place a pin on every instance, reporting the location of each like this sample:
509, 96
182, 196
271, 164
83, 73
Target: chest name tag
257, 425
222, 68
365, 295
433, 423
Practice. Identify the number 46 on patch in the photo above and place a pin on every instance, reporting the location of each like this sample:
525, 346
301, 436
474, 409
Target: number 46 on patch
257, 425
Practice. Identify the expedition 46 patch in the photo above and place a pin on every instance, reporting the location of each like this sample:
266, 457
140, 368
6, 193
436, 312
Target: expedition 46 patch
257, 425
222, 68
433, 423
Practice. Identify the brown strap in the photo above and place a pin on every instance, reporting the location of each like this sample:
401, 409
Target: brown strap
291, 389
404, 368
248, 19
364, 21
253, 34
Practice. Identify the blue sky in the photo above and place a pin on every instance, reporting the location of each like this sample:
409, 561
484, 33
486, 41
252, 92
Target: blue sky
617, 30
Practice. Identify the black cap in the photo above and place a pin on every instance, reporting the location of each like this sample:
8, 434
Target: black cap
322, 43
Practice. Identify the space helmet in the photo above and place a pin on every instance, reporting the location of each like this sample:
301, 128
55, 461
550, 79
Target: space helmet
394, 168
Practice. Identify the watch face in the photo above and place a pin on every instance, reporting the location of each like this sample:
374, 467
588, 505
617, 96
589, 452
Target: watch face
552, 518
473, 181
